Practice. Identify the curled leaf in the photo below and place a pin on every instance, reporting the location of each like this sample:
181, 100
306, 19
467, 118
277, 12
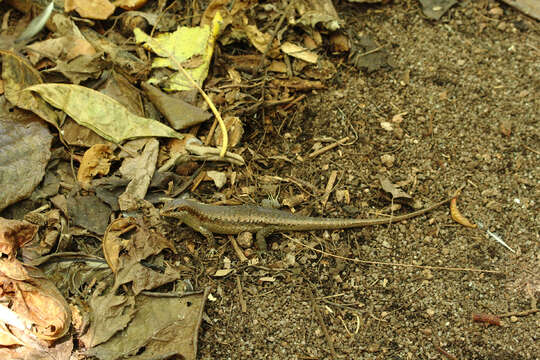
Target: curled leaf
457, 217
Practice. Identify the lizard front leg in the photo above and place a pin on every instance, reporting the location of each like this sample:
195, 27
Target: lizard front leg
206, 233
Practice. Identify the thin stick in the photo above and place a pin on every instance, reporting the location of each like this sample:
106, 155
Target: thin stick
520, 313
243, 305
273, 36
445, 353
531, 149
237, 249
323, 325
394, 264
329, 187
328, 147
371, 51
211, 132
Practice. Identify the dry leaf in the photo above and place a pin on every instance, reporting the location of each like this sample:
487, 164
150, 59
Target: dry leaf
139, 170
14, 234
178, 113
36, 301
299, 52
160, 328
18, 74
25, 143
94, 9
393, 189
101, 113
95, 161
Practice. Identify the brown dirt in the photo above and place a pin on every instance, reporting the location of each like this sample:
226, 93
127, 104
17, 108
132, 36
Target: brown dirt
468, 75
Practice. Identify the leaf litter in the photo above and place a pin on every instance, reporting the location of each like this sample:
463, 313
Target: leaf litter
113, 280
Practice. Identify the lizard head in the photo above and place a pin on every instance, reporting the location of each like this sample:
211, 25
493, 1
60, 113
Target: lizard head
175, 209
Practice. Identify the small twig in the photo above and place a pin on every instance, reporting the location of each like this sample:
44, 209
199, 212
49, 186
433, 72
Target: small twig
531, 149
384, 263
329, 187
445, 353
520, 313
328, 147
273, 36
237, 249
243, 305
188, 182
198, 180
322, 325
371, 51
298, 99
211, 132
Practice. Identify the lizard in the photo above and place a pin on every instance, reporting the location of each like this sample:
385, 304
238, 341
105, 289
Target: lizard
209, 219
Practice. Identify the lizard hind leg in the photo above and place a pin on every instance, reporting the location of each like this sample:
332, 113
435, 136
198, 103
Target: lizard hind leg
260, 237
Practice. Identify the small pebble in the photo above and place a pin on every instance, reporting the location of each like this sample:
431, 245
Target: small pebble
388, 160
245, 240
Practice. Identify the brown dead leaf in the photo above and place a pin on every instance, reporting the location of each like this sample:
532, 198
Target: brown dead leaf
25, 143
95, 161
139, 170
126, 243
130, 4
162, 327
14, 234
36, 301
396, 192
64, 48
18, 74
75, 134
120, 89
89, 212
81, 68
235, 129
113, 243
339, 42
109, 314
95, 9
178, 113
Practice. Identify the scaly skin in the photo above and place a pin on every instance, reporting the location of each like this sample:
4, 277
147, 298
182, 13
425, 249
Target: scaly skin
208, 219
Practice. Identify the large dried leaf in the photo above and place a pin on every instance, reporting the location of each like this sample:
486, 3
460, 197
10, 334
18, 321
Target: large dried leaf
25, 143
162, 328
36, 301
126, 243
81, 68
18, 74
101, 113
108, 315
120, 89
64, 48
529, 7
95, 9
89, 212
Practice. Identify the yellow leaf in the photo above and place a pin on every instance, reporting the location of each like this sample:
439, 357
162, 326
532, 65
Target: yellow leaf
184, 44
